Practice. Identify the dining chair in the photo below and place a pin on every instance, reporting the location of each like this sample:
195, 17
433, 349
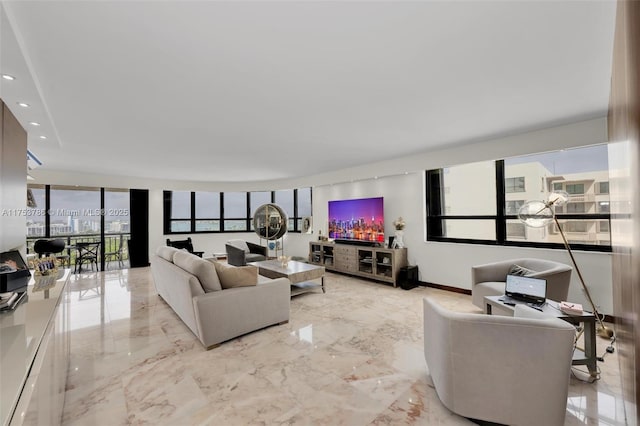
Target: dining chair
88, 253
117, 254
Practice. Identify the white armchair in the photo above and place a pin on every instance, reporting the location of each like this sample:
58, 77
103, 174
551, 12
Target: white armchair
489, 279
509, 370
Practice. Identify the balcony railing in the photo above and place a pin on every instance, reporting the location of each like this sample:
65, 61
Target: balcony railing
582, 198
111, 244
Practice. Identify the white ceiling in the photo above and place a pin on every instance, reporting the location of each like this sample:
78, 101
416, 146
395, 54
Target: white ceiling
244, 91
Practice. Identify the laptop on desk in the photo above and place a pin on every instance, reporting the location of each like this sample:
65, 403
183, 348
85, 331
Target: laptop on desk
519, 289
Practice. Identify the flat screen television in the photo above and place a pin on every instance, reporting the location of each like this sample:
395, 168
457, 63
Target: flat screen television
359, 219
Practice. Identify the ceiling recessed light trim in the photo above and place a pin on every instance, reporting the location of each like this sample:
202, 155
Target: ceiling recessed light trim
34, 123
8, 77
23, 104
43, 137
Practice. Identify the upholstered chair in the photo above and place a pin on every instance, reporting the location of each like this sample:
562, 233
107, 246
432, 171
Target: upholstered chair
241, 252
499, 369
489, 279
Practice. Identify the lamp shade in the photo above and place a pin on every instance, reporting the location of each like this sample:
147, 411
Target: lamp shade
558, 198
535, 214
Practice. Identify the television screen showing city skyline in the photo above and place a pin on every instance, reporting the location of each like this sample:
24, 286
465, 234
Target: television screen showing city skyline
357, 219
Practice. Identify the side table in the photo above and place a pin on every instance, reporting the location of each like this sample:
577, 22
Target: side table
587, 356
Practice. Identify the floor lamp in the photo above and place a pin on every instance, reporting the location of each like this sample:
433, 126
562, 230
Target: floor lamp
538, 214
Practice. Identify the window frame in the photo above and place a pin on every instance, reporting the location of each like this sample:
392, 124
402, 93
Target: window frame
167, 220
435, 218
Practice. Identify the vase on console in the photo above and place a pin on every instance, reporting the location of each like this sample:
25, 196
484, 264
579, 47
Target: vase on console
399, 224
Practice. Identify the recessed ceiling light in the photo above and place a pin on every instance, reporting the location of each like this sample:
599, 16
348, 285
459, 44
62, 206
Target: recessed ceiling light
24, 105
33, 123
43, 137
8, 77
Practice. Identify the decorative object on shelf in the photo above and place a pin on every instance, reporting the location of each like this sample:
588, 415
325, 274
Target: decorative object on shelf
270, 221
570, 308
31, 200
538, 214
284, 260
399, 224
306, 225
45, 266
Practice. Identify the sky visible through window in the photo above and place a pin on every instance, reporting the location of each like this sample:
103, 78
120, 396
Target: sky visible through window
576, 160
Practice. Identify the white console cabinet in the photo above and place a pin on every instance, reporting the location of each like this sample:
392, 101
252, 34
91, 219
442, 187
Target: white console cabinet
34, 349
377, 263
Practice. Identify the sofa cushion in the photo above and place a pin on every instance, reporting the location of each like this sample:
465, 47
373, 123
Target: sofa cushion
254, 257
520, 270
241, 244
166, 252
202, 269
236, 276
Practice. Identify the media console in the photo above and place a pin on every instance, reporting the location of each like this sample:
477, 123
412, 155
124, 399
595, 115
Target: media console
377, 263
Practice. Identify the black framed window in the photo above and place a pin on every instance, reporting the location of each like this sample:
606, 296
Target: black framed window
180, 211
285, 199
235, 208
576, 208
201, 212
207, 211
303, 206
488, 213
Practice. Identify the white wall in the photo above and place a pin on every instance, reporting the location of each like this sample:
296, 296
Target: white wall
13, 181
401, 183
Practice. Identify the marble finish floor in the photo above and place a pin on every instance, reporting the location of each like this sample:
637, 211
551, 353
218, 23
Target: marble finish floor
352, 356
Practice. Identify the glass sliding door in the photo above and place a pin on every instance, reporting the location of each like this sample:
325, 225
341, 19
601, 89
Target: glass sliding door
117, 227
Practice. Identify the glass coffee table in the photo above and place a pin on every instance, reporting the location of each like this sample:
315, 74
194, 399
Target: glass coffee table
301, 275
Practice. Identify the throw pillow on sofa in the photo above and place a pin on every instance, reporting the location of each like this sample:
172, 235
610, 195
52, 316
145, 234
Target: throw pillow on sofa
236, 276
202, 269
520, 271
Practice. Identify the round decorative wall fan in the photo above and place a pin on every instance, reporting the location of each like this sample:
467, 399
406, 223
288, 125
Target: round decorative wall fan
270, 221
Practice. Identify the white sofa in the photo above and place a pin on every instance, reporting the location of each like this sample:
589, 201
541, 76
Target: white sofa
508, 370
214, 314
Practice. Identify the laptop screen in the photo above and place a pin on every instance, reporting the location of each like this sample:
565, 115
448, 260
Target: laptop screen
526, 287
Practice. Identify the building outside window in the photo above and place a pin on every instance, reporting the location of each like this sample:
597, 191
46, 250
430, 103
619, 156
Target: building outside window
36, 225
514, 184
257, 199
80, 214
512, 206
574, 188
456, 214
603, 188
74, 211
575, 208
